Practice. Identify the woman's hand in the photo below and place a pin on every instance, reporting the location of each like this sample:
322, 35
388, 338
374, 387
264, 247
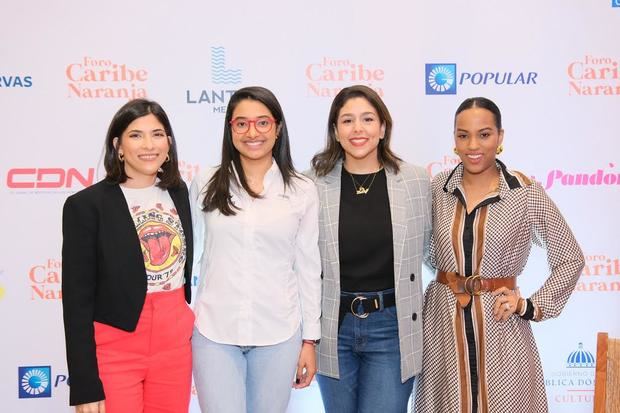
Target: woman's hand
505, 303
94, 407
306, 366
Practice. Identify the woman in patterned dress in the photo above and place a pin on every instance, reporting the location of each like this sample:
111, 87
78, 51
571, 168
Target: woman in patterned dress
479, 350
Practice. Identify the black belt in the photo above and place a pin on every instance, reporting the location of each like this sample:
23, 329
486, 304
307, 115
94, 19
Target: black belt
361, 305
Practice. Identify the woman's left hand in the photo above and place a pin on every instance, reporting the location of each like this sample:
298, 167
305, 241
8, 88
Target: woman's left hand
505, 303
306, 366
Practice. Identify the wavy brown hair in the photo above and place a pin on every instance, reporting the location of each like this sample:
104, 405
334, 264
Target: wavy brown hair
324, 161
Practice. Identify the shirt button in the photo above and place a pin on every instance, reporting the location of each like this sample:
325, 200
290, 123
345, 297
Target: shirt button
414, 316
412, 277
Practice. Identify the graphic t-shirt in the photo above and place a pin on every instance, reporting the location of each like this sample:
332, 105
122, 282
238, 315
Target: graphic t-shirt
161, 237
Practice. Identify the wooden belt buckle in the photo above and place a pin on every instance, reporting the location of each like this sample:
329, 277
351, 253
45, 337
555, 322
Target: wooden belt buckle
474, 281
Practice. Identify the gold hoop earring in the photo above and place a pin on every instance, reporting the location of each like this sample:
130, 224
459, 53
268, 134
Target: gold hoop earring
499, 149
167, 158
455, 151
121, 157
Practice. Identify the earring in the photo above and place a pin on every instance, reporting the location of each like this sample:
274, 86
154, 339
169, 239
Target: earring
167, 158
455, 151
499, 149
121, 157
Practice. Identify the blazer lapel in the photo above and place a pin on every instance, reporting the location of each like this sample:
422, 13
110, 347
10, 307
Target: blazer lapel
331, 194
398, 201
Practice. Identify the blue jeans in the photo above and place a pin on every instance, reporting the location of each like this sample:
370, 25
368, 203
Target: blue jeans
240, 379
369, 364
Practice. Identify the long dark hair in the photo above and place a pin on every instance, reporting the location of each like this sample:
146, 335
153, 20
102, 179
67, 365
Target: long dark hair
218, 188
130, 111
484, 103
324, 161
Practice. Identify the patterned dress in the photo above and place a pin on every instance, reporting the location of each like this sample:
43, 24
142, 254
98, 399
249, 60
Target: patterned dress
472, 362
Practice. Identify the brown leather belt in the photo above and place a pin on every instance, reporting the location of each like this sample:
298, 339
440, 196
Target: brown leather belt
466, 287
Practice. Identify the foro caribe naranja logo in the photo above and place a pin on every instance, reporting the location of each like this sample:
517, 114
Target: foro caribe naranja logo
92, 78
45, 280
330, 75
601, 273
594, 76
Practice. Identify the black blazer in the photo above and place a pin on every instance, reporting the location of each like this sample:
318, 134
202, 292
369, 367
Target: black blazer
103, 275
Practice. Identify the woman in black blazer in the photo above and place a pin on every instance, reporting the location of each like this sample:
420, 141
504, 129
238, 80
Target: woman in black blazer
126, 264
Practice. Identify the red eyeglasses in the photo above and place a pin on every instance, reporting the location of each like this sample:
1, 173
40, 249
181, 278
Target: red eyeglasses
242, 125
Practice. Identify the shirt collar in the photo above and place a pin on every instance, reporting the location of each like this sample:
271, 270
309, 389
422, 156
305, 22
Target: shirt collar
507, 180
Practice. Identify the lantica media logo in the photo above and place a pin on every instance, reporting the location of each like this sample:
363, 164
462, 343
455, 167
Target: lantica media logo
441, 79
34, 382
444, 78
220, 75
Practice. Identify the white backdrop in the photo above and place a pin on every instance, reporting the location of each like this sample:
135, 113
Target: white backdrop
67, 66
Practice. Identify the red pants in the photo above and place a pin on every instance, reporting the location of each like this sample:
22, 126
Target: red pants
148, 370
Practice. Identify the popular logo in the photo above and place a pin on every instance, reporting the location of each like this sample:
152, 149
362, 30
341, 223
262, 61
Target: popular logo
615, 3
594, 76
14, 81
92, 78
49, 178
330, 75
600, 274
45, 280
34, 382
441, 79
220, 75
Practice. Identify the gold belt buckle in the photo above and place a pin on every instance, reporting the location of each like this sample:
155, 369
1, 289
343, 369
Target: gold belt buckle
363, 315
474, 281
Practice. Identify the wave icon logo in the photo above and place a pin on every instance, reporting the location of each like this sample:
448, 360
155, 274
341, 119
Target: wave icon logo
219, 73
441, 79
34, 382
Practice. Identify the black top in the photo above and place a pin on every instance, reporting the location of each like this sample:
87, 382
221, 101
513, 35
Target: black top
365, 234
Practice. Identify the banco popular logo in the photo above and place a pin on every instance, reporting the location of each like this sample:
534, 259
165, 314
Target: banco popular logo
615, 3
34, 382
329, 75
96, 78
445, 78
220, 75
441, 79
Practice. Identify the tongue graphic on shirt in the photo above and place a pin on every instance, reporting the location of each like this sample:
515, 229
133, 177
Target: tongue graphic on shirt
156, 239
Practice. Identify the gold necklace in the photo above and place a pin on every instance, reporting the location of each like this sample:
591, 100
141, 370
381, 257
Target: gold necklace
360, 189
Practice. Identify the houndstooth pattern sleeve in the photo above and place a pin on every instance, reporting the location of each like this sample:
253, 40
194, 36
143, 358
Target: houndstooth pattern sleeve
564, 255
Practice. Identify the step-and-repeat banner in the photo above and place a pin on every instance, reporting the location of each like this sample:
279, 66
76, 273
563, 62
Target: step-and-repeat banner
66, 67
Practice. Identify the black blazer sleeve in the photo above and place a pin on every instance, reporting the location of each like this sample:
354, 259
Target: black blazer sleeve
79, 279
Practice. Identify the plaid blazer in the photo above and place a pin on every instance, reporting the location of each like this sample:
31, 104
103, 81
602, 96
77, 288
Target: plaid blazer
410, 208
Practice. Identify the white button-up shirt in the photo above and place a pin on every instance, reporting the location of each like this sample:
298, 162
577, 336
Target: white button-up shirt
260, 270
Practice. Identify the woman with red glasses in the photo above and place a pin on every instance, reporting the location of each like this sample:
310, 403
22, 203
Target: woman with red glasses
258, 301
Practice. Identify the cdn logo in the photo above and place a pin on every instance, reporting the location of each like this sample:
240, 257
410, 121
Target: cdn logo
28, 178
